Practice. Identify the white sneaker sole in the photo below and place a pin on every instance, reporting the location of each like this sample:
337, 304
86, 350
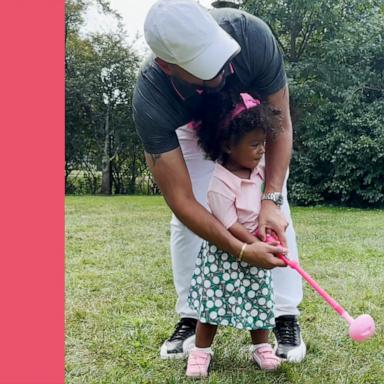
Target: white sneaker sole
187, 346
295, 355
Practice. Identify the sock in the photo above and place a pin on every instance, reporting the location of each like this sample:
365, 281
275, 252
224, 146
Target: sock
256, 346
205, 350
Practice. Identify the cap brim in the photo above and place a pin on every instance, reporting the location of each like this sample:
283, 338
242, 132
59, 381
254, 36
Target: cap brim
209, 62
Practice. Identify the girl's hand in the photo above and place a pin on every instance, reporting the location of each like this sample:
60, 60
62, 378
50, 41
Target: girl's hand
262, 255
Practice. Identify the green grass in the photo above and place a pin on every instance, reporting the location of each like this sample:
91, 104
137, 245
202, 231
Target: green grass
120, 297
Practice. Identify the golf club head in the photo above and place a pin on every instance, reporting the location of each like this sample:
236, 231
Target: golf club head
362, 328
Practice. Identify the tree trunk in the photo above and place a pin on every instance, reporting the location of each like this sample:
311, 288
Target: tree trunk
106, 169
133, 174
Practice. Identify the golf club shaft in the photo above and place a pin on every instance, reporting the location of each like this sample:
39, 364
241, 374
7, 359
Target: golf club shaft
332, 302
294, 265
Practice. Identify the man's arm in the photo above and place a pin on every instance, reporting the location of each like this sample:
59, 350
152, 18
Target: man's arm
277, 157
279, 146
171, 175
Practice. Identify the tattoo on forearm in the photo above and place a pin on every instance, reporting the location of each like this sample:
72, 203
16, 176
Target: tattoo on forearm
155, 157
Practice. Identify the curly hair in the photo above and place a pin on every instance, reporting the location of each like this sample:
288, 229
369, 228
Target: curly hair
216, 129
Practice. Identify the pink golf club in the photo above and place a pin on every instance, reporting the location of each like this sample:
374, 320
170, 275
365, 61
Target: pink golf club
360, 329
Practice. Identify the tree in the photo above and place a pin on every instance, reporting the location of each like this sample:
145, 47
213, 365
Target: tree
116, 67
78, 111
100, 74
302, 26
339, 103
334, 60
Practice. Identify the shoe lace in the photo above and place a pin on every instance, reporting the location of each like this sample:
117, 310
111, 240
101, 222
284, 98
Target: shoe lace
286, 330
183, 328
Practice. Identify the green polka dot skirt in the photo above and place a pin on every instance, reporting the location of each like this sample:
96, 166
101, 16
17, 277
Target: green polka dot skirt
226, 292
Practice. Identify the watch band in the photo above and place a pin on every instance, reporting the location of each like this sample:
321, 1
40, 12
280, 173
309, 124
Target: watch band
276, 197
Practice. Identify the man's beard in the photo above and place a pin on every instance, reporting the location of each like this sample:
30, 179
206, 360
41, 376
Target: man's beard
215, 89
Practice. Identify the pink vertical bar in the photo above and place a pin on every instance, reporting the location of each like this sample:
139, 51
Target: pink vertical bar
32, 192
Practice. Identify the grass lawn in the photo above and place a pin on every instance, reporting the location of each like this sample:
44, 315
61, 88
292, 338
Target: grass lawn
120, 297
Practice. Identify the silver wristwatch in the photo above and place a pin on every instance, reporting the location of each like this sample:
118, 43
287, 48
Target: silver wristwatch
276, 197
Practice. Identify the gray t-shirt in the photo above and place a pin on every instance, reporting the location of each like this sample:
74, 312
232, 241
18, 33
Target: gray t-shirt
162, 104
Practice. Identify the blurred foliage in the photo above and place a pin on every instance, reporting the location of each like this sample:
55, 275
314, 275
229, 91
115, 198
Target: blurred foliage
334, 55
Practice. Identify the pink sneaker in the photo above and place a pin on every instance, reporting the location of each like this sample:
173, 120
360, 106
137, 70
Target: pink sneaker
198, 363
264, 357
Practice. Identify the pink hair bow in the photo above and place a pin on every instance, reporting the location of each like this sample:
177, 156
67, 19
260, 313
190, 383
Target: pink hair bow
248, 103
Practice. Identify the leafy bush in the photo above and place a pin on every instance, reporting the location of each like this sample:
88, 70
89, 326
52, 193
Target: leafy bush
83, 183
338, 109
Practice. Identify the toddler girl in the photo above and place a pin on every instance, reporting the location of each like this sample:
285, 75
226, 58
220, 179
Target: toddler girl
224, 289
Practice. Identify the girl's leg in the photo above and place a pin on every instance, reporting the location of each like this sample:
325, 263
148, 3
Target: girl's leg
262, 352
200, 357
204, 334
259, 336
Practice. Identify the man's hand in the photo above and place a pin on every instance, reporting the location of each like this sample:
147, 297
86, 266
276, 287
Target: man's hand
271, 218
172, 176
262, 255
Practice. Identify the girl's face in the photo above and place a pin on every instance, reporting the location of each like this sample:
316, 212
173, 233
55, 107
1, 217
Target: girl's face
248, 151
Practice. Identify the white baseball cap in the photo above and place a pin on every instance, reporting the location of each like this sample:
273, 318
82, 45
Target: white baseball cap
184, 33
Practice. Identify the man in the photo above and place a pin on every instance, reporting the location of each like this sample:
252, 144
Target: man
195, 52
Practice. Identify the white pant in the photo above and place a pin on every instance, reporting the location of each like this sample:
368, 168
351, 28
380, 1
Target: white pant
185, 245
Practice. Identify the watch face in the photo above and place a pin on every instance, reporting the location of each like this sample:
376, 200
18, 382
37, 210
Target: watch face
277, 198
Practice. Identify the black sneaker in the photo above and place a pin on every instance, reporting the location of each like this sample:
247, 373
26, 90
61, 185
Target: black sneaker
289, 343
181, 341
